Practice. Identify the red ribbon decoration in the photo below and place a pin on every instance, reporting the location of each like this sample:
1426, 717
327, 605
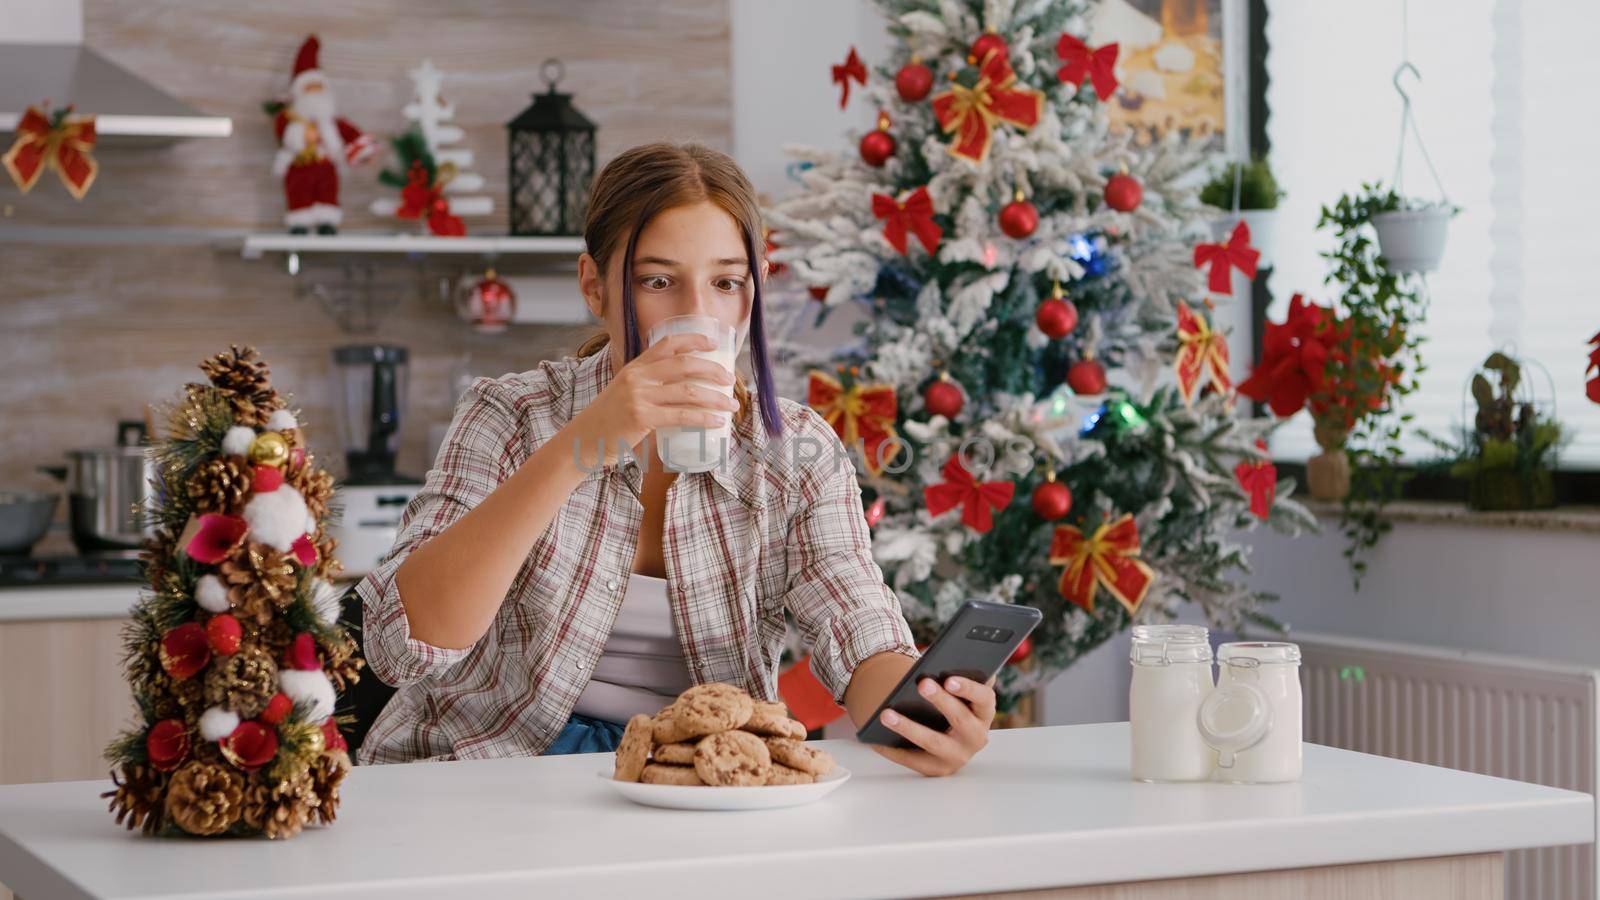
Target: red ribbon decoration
1098, 65
419, 197
1259, 478
852, 68
914, 213
1593, 387
1222, 258
1202, 354
1109, 559
861, 412
977, 499
59, 142
973, 112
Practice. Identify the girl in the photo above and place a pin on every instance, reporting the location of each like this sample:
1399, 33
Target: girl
552, 579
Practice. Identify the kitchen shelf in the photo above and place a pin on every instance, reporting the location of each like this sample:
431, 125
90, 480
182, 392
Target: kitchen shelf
254, 246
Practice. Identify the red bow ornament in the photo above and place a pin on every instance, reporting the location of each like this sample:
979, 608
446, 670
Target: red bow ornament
1259, 478
419, 198
852, 68
861, 412
973, 112
59, 141
914, 213
1202, 354
978, 499
1223, 258
1109, 559
1098, 65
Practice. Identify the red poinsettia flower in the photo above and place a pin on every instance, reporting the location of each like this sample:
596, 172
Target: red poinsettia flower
216, 537
250, 746
1294, 357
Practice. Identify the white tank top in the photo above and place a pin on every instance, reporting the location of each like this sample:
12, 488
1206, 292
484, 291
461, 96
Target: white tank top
642, 668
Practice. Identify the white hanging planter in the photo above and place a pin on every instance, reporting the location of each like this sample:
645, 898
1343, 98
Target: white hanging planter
1412, 240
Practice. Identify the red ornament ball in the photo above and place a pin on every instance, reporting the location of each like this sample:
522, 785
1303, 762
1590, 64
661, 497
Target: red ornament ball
167, 744
251, 745
913, 81
184, 651
1023, 651
876, 147
223, 634
1018, 219
1056, 317
278, 709
986, 42
266, 479
1087, 377
1123, 193
1052, 500
818, 291
943, 398
488, 303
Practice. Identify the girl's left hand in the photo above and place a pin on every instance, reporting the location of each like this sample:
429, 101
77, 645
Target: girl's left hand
969, 707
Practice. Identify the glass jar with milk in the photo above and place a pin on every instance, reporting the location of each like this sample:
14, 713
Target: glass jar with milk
1253, 716
1171, 677
697, 449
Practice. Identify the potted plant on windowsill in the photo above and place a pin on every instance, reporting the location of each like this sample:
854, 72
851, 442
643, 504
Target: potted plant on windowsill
1508, 456
1258, 196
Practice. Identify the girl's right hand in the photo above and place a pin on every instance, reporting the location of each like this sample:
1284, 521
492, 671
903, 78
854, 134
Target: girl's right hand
655, 389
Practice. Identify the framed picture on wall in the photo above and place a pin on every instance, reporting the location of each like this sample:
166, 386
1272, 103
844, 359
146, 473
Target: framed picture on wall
1183, 64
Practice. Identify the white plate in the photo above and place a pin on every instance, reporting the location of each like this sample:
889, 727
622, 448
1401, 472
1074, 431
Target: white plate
676, 796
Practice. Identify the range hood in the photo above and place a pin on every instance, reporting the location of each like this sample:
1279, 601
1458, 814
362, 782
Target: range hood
126, 108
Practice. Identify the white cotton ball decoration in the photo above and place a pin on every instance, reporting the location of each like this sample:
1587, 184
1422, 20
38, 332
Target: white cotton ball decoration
211, 594
217, 723
282, 420
308, 686
311, 523
276, 518
327, 601
236, 441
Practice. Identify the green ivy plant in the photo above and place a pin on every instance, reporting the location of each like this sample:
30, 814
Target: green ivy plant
1258, 189
1382, 308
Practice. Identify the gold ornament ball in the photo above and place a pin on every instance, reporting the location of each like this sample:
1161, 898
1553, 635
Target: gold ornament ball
269, 449
314, 742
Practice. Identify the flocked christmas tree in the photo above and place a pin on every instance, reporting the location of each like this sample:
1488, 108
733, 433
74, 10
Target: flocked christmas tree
235, 653
435, 177
1038, 290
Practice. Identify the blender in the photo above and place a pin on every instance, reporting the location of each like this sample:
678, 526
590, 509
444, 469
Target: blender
372, 393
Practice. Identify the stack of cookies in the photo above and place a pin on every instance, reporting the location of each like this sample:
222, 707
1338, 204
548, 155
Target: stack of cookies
716, 734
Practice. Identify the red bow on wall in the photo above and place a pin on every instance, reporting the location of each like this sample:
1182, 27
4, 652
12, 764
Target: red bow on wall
1223, 258
852, 68
59, 141
915, 213
1098, 65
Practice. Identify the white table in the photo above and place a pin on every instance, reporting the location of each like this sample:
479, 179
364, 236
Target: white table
1039, 808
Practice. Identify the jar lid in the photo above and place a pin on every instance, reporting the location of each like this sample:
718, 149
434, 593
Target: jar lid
1263, 652
1159, 645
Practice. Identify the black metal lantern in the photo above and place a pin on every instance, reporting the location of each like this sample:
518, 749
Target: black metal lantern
551, 153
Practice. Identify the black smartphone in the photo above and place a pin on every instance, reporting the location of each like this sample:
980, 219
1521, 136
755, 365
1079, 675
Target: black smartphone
974, 644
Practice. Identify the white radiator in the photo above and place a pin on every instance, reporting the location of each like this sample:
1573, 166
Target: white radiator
1496, 715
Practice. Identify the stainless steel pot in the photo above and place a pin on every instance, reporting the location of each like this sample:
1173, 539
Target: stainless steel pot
106, 488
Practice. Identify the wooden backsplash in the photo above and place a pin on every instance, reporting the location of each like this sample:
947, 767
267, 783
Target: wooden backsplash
90, 334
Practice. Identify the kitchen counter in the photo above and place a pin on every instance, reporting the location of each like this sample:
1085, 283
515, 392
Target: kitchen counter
1040, 807
68, 601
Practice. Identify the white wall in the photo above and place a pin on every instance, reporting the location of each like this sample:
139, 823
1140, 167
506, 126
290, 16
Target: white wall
34, 22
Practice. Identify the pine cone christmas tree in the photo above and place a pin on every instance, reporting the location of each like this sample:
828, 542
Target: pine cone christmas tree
227, 744
205, 798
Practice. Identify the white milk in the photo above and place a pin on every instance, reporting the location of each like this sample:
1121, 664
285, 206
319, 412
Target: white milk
1171, 676
1255, 717
698, 449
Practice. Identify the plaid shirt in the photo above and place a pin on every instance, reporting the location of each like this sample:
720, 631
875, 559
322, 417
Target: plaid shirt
778, 527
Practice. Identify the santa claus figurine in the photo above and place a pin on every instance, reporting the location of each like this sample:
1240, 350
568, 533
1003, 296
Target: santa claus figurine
315, 146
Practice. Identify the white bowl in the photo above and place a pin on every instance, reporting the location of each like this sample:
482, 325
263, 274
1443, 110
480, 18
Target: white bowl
676, 796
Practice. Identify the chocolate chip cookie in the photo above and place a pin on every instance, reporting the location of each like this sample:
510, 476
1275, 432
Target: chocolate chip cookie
798, 756
679, 754
701, 710
772, 720
661, 773
732, 759
634, 748
782, 774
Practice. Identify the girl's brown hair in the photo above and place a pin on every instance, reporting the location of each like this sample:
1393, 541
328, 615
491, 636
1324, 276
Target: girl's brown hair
643, 182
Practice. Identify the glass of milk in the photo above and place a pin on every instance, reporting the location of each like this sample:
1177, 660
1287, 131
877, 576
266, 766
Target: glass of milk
1253, 717
1171, 676
697, 449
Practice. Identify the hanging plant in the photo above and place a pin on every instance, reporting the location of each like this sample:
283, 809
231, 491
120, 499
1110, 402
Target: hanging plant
1248, 192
